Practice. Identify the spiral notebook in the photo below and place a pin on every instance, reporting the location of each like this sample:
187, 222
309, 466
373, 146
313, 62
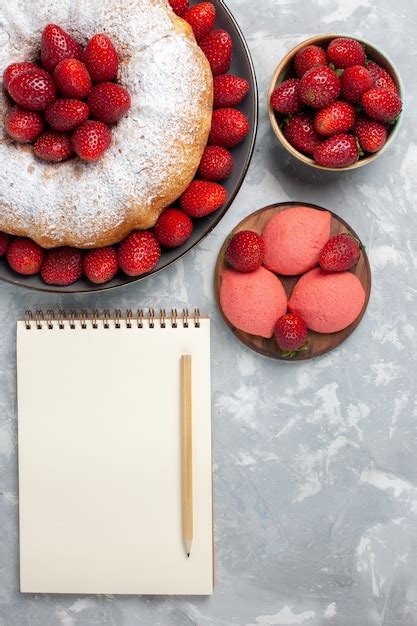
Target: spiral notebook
99, 434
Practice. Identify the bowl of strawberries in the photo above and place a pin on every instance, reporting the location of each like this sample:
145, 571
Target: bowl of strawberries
335, 102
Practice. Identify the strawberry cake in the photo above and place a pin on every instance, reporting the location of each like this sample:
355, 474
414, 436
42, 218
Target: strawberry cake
155, 148
294, 238
327, 301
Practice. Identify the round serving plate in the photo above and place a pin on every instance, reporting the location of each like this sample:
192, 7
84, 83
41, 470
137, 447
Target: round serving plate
318, 343
242, 65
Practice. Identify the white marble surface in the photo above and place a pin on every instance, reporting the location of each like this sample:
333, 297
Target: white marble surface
315, 463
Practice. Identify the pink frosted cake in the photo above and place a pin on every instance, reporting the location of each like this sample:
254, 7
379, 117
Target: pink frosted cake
252, 301
294, 239
327, 301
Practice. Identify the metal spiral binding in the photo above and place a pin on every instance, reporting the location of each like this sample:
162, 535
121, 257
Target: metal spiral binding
131, 319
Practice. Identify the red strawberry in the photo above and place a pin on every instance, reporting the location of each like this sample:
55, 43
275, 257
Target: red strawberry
344, 52
139, 253
57, 45
53, 146
229, 90
23, 126
101, 265
72, 79
217, 46
15, 70
285, 98
202, 198
245, 252
179, 6
337, 151
355, 81
307, 58
201, 18
62, 266
319, 87
100, 58
301, 134
173, 228
340, 253
91, 140
216, 164
229, 127
108, 103
380, 77
25, 256
291, 334
337, 117
33, 89
66, 114
383, 105
4, 243
371, 134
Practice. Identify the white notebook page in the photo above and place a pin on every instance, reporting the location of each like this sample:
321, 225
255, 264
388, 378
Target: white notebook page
100, 460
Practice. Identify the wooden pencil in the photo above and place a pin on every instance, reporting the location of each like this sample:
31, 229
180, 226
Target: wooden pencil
187, 453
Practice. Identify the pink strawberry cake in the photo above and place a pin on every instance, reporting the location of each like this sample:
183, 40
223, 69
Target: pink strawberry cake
327, 301
294, 239
252, 301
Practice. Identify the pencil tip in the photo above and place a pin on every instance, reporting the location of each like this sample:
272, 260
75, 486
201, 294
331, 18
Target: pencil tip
188, 555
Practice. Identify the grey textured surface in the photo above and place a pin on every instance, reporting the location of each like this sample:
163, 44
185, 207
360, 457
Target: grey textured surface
315, 463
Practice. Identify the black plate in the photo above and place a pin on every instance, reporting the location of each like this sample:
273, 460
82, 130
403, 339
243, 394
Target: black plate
242, 65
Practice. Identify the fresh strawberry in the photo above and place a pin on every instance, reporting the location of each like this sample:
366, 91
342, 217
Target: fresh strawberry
355, 81
72, 79
383, 105
340, 253
201, 18
4, 243
217, 46
216, 164
337, 117
33, 89
173, 228
319, 87
25, 256
291, 334
337, 151
15, 70
91, 140
285, 98
343, 52
380, 77
229, 90
108, 102
100, 265
179, 6
139, 253
57, 45
62, 266
202, 197
229, 127
307, 58
53, 146
100, 58
66, 114
23, 126
371, 134
245, 252
300, 132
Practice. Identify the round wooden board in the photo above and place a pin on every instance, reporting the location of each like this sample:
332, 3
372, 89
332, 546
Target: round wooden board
318, 343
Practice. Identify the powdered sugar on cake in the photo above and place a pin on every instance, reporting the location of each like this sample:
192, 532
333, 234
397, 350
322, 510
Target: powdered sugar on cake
160, 70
